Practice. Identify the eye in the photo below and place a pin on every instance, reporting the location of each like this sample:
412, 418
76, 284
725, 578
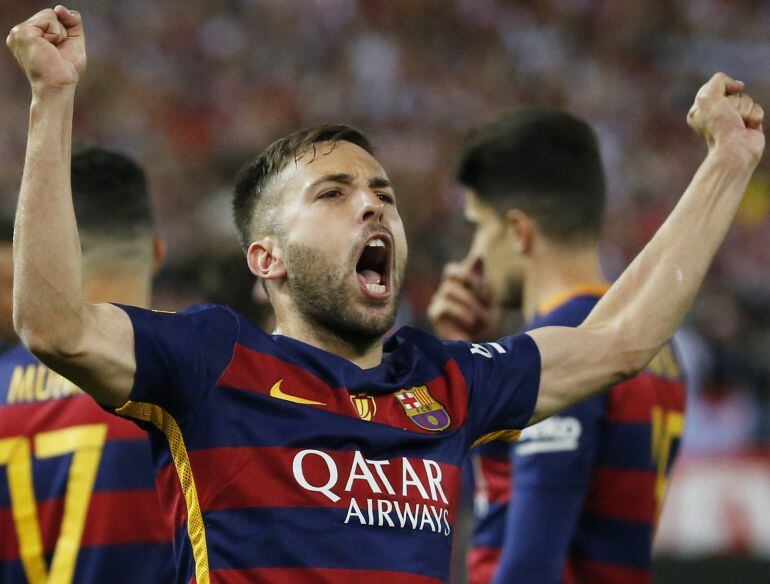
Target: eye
330, 194
386, 198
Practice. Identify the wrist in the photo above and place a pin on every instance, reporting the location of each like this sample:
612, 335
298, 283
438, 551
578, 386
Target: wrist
43, 94
733, 154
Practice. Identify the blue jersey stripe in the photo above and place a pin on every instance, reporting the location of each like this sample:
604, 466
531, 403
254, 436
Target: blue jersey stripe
308, 531
490, 529
115, 473
247, 409
124, 564
626, 445
613, 541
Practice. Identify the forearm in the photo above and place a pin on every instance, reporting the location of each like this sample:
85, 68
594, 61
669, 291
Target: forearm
539, 528
48, 295
647, 303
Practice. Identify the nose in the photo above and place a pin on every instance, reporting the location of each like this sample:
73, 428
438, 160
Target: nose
372, 208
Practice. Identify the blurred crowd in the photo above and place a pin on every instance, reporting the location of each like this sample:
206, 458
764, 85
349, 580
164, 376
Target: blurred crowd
195, 88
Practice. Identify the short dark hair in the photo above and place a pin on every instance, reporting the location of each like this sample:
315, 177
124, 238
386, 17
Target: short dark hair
109, 193
6, 229
545, 162
253, 178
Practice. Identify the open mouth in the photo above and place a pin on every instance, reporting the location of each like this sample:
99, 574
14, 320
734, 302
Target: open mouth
373, 267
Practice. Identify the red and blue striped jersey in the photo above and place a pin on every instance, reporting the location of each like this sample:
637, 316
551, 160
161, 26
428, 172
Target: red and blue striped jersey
281, 462
576, 499
77, 492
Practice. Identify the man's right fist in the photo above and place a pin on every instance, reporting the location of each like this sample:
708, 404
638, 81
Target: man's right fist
50, 48
722, 114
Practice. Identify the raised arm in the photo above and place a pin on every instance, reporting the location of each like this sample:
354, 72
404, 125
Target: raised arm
90, 344
648, 302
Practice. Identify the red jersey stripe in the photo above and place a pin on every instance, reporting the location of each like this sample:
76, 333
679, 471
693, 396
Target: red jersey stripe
174, 506
225, 478
293, 383
16, 420
482, 564
122, 506
611, 490
634, 400
582, 572
316, 575
495, 479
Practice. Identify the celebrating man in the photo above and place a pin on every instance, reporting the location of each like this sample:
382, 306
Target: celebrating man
322, 452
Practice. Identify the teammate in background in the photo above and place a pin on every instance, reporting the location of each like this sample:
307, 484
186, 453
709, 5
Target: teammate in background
224, 278
77, 493
587, 484
8, 336
323, 453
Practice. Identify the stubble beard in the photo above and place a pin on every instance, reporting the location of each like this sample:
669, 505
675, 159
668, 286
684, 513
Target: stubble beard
322, 294
511, 296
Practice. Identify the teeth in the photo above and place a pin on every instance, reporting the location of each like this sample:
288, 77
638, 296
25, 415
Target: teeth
376, 288
376, 243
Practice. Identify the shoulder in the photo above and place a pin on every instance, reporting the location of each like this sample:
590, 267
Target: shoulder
431, 345
417, 341
570, 314
422, 345
215, 317
203, 317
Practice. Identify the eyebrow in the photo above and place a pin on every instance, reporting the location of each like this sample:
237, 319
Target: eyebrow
378, 182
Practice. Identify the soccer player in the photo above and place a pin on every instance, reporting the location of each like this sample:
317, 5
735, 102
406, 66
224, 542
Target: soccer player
323, 453
8, 336
588, 483
77, 490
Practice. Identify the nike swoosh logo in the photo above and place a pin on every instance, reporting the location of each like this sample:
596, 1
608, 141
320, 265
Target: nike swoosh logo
276, 392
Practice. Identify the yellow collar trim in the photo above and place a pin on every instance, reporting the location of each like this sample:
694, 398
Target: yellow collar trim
582, 290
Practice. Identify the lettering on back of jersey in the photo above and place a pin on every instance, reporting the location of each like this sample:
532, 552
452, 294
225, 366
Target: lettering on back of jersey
556, 434
36, 383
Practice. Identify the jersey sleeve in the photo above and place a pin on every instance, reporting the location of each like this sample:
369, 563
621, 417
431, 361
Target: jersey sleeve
538, 553
503, 379
179, 356
552, 466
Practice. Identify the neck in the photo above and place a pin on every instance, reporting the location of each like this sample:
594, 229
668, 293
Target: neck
363, 353
556, 271
133, 289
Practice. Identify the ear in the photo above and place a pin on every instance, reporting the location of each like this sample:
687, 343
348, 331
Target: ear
520, 227
159, 250
264, 259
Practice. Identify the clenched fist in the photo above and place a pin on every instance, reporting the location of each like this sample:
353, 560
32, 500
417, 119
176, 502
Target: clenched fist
726, 117
50, 48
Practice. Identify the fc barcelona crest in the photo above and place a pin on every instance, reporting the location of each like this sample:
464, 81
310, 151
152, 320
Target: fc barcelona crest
422, 409
365, 405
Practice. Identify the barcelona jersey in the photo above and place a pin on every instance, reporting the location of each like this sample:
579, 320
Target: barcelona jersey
77, 492
280, 462
576, 499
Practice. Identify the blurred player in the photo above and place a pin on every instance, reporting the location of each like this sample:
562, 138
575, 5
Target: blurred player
77, 494
224, 278
587, 484
323, 453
